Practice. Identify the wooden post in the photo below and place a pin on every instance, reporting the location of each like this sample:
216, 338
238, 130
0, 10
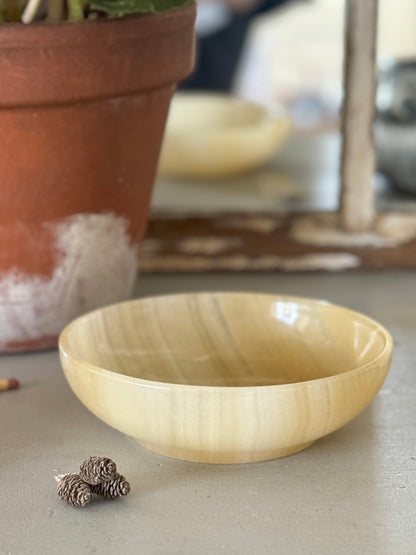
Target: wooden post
357, 161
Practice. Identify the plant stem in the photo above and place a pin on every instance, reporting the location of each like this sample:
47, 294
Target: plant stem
30, 12
55, 11
76, 9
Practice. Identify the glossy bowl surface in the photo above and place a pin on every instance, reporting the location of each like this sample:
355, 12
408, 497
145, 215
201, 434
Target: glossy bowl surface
212, 136
225, 377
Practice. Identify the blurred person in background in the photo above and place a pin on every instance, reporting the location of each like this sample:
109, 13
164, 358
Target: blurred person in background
221, 28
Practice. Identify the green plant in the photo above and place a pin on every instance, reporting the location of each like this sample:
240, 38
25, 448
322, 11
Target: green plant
53, 11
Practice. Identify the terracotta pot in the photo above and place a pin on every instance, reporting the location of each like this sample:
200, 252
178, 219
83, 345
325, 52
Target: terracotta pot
83, 108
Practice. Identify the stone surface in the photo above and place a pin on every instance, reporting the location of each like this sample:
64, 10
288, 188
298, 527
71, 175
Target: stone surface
352, 492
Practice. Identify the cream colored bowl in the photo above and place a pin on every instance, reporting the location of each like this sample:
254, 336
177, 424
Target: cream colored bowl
225, 377
215, 136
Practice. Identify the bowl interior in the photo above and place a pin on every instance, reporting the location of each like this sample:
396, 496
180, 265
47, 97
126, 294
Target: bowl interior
224, 339
201, 112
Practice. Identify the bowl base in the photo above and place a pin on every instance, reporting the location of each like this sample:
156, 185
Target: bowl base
194, 455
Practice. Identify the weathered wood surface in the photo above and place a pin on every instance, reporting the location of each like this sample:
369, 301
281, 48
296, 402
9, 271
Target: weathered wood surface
255, 242
357, 161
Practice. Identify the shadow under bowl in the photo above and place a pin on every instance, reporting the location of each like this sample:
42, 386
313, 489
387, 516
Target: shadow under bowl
225, 377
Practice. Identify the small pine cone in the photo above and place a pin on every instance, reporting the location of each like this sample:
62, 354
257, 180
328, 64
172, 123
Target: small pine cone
98, 469
114, 488
73, 490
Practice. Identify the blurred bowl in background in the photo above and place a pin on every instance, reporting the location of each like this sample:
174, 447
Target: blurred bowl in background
211, 136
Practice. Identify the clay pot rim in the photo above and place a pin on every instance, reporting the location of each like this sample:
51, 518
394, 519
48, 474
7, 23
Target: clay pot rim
152, 25
64, 63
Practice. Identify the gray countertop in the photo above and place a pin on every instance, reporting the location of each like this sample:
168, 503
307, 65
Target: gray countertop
352, 492
302, 176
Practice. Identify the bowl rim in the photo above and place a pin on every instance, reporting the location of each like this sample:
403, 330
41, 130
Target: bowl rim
274, 115
65, 351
